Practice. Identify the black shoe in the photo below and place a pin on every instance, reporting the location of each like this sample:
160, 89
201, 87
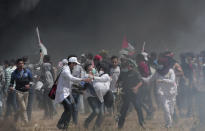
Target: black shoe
60, 126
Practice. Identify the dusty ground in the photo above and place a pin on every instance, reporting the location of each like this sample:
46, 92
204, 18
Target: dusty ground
131, 124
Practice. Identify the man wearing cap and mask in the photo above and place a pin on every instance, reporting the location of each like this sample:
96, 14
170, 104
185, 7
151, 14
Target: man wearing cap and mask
78, 72
64, 91
131, 84
166, 88
144, 70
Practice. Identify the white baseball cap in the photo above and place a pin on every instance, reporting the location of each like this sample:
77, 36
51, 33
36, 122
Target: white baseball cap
73, 60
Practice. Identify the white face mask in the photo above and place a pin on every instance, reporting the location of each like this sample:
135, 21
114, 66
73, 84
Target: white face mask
101, 72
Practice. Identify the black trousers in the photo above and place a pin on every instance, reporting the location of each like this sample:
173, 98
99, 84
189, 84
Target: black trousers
128, 98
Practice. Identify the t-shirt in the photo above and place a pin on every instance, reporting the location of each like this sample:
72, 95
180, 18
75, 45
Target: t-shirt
129, 80
114, 72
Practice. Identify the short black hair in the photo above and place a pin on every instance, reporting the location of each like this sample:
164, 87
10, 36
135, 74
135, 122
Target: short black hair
46, 58
6, 62
18, 60
86, 66
114, 57
105, 66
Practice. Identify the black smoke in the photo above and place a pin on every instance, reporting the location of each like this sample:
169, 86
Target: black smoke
75, 26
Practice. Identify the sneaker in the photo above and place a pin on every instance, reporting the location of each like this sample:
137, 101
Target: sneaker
60, 126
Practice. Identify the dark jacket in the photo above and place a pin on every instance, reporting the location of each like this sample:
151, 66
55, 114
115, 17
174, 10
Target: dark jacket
21, 78
129, 80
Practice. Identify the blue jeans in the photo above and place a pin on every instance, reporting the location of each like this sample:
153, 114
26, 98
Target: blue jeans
97, 110
75, 108
66, 115
11, 103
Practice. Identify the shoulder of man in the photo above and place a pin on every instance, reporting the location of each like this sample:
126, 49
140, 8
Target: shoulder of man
26, 70
14, 72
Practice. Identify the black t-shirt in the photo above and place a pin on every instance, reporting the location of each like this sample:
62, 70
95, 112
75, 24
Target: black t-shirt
129, 80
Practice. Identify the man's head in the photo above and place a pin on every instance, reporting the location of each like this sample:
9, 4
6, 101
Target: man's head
72, 61
46, 59
88, 67
104, 68
115, 62
126, 65
140, 58
189, 57
6, 63
20, 63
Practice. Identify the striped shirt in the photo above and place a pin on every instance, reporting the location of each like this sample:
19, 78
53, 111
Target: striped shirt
8, 71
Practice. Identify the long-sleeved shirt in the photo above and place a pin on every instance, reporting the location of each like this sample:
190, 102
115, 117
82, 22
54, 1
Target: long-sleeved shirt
2, 77
8, 71
64, 86
114, 72
101, 85
167, 85
78, 71
21, 78
46, 75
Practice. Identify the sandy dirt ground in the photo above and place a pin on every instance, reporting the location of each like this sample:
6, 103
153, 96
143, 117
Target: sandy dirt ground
109, 124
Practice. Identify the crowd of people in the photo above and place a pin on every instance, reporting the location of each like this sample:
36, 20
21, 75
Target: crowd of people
99, 84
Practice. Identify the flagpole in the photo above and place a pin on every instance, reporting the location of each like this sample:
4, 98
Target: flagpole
38, 34
143, 47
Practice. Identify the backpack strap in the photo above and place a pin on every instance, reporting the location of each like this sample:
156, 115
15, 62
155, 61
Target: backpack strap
58, 77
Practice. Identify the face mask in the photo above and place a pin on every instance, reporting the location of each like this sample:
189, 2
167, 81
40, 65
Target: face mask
101, 72
94, 71
160, 67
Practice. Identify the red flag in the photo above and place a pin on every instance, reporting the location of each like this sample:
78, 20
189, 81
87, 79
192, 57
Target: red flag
125, 43
127, 48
